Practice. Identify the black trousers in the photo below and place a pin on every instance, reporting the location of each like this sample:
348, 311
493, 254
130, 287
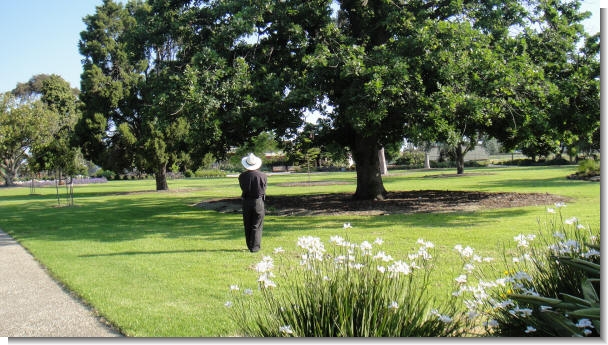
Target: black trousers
253, 220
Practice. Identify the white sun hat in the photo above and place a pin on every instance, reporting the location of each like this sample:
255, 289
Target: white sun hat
251, 162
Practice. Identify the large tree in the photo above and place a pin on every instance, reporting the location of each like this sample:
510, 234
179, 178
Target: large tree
392, 69
438, 70
162, 86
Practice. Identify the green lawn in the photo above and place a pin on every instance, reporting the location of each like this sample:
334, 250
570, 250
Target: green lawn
155, 265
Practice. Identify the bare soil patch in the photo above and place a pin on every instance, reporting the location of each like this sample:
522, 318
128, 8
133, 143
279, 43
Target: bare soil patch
420, 201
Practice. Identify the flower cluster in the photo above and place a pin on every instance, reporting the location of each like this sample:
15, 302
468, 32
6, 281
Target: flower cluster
514, 298
346, 267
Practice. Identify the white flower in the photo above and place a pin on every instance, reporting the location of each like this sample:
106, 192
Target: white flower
560, 204
530, 329
393, 305
461, 279
504, 304
265, 282
424, 254
580, 227
234, 287
381, 269
584, 323
464, 252
523, 240
366, 247
248, 292
279, 250
492, 323
347, 226
445, 318
590, 253
378, 241
228, 304
570, 221
427, 244
399, 267
522, 276
522, 312
337, 240
442, 318
469, 268
265, 265
313, 246
382, 256
286, 329
550, 210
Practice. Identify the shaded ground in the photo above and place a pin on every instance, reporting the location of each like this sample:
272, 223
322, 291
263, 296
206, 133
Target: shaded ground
420, 201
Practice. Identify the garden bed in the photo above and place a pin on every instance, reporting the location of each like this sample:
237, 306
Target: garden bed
420, 201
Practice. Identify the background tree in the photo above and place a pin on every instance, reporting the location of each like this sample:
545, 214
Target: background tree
162, 86
21, 125
565, 111
134, 87
56, 153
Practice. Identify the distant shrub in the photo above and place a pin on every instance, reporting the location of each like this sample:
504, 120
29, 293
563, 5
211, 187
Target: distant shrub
589, 167
209, 173
411, 159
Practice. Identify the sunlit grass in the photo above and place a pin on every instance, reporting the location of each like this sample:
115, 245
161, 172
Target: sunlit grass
157, 266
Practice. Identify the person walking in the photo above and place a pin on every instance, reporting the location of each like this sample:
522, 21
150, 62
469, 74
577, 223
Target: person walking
253, 187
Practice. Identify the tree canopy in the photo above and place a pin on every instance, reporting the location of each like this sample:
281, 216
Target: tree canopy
167, 82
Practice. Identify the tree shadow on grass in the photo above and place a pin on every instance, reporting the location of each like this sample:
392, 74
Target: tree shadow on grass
156, 252
119, 219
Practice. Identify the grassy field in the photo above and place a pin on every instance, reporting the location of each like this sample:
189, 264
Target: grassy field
155, 265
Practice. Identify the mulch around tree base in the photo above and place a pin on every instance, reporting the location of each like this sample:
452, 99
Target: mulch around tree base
420, 201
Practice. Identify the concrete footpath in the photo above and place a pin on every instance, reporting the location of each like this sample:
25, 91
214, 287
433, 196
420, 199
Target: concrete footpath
32, 304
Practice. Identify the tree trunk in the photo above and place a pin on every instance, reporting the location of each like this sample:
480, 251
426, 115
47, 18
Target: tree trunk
427, 160
161, 177
382, 160
369, 178
459, 159
10, 168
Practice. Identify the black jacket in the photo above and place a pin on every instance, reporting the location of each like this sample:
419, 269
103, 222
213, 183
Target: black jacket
253, 184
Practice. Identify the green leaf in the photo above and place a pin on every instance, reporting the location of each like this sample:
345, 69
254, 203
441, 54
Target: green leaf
536, 300
590, 313
576, 300
584, 265
589, 292
562, 325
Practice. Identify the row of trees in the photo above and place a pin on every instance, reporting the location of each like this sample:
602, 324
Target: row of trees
166, 82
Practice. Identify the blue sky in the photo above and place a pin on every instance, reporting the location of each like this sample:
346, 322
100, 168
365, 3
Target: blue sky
41, 36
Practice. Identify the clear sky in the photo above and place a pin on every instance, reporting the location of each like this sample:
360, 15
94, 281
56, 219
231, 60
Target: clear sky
41, 36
